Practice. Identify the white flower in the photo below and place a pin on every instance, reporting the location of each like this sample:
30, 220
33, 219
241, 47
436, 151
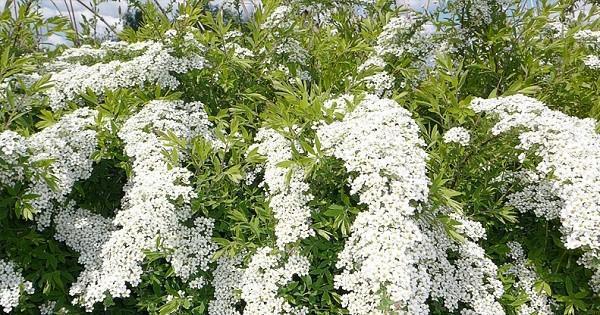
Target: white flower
279, 18
227, 279
538, 195
592, 62
569, 150
289, 202
390, 253
457, 135
47, 308
83, 231
266, 273
239, 51
70, 144
13, 154
538, 302
380, 83
149, 211
11, 284
293, 51
154, 66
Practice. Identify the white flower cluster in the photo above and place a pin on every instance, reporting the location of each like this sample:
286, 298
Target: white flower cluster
13, 155
293, 51
537, 195
288, 55
11, 284
403, 36
380, 83
592, 62
457, 135
392, 39
106, 48
156, 206
589, 37
154, 66
279, 18
268, 271
258, 284
70, 144
592, 40
390, 253
379, 142
479, 12
239, 51
569, 149
555, 29
289, 202
83, 231
470, 278
590, 260
239, 9
47, 308
226, 281
538, 302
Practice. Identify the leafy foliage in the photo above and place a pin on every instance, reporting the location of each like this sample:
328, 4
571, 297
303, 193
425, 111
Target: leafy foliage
284, 78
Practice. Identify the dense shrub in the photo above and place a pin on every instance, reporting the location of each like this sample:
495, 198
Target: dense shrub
304, 157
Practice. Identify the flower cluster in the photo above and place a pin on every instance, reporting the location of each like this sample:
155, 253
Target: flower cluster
590, 261
73, 54
566, 145
288, 200
589, 37
480, 12
279, 18
238, 9
293, 51
404, 36
555, 29
393, 38
391, 254
83, 231
538, 303
470, 278
47, 308
156, 207
226, 281
258, 284
592, 40
379, 142
592, 62
569, 153
537, 195
69, 144
13, 153
457, 135
154, 66
268, 271
11, 285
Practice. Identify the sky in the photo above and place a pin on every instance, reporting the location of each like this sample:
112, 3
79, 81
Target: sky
111, 11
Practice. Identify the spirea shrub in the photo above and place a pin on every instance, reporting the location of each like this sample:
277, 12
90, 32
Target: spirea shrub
304, 157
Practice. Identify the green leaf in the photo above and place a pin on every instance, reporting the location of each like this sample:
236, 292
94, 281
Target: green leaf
170, 308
